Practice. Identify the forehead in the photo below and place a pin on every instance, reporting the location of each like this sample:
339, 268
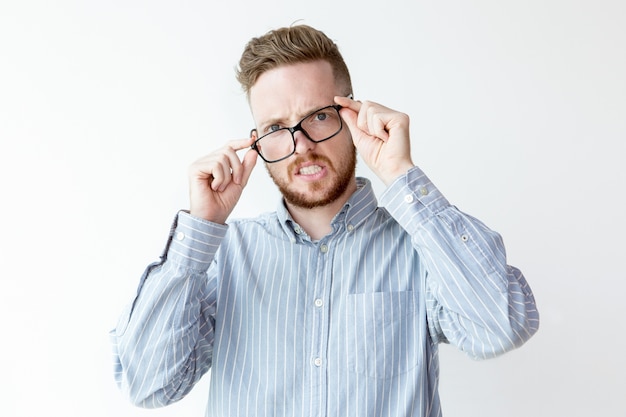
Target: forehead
289, 91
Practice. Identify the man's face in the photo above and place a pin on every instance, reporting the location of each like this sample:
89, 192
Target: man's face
317, 174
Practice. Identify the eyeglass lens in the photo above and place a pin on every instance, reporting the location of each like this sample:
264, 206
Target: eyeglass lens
318, 126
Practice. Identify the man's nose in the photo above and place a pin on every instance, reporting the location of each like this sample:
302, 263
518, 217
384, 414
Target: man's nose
303, 144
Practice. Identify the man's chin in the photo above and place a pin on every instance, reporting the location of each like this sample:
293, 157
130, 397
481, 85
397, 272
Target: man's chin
309, 200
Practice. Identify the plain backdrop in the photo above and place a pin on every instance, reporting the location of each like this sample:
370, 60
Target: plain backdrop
518, 114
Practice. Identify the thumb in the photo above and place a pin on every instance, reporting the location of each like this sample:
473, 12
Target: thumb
248, 163
349, 116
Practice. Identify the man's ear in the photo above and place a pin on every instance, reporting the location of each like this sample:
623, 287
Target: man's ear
253, 134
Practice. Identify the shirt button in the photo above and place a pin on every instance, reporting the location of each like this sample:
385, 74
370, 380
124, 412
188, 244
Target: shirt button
408, 198
319, 302
464, 238
324, 248
350, 228
424, 191
317, 362
180, 236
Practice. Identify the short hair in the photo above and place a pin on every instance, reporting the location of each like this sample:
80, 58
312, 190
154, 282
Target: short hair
286, 46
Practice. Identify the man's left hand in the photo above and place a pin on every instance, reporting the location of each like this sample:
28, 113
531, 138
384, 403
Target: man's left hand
381, 136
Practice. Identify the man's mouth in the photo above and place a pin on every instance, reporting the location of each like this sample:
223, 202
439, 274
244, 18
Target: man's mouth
310, 170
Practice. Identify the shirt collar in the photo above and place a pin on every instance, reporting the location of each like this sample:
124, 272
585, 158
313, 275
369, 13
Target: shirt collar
360, 205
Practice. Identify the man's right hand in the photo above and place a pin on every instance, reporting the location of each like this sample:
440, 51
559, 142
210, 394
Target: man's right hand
217, 180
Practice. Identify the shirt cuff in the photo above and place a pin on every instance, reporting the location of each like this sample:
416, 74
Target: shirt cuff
194, 241
412, 199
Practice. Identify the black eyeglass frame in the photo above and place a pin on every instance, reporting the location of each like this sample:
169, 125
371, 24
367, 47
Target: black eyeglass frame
297, 128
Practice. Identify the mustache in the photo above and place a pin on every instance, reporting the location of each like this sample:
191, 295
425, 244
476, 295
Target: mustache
311, 158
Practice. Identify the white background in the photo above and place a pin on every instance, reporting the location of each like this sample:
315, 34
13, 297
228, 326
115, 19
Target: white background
518, 112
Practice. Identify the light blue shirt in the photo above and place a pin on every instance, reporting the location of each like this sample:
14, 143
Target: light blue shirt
345, 326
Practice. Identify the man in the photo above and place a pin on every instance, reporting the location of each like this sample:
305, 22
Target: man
331, 306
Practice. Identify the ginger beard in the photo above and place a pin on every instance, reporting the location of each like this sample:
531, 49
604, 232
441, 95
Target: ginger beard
319, 193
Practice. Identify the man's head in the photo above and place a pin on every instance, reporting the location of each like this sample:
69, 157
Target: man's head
287, 46
288, 75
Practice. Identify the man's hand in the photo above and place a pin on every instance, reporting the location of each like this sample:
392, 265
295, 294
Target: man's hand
217, 180
381, 136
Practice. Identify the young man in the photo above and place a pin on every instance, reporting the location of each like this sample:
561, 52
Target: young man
330, 306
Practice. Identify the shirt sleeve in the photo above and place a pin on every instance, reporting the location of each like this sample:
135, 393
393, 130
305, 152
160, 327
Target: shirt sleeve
475, 300
163, 342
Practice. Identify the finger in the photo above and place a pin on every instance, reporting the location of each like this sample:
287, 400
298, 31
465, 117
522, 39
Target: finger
239, 170
215, 168
348, 103
220, 173
364, 116
377, 123
249, 161
230, 166
349, 116
372, 120
239, 144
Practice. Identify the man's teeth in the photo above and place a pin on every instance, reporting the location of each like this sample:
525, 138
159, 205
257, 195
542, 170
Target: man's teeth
310, 170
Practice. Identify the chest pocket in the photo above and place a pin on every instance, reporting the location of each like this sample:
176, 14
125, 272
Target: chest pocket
383, 340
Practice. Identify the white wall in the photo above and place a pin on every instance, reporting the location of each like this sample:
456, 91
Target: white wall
518, 115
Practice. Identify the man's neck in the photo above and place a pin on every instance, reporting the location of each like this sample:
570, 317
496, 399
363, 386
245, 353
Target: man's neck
316, 221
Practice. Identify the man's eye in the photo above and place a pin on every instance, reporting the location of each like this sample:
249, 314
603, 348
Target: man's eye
272, 128
321, 116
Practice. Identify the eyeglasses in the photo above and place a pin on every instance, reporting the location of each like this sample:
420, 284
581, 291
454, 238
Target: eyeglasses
280, 143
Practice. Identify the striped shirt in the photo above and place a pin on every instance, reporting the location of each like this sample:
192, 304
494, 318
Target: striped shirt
344, 326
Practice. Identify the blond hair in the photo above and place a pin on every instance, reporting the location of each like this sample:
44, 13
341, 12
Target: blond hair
290, 45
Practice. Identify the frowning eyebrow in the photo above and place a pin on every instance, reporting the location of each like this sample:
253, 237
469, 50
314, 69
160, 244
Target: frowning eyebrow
270, 122
283, 122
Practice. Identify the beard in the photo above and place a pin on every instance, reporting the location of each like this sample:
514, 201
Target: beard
320, 193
